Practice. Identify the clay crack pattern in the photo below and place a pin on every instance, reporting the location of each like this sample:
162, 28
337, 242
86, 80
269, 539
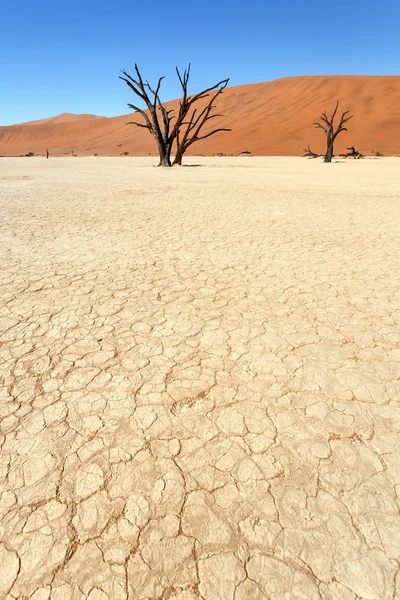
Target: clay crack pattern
199, 380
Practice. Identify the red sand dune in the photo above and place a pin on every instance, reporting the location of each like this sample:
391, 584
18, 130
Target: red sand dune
273, 118
63, 118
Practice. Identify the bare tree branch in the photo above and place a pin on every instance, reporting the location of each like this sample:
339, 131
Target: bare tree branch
159, 129
203, 137
138, 124
310, 154
352, 154
197, 120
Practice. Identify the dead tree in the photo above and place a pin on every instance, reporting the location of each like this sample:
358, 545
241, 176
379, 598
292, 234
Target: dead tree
310, 154
328, 127
158, 127
158, 120
189, 131
47, 153
352, 154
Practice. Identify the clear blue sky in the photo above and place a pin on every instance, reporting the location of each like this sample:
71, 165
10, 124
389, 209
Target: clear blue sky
63, 56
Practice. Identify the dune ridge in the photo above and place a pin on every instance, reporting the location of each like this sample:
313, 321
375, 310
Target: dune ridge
63, 118
271, 118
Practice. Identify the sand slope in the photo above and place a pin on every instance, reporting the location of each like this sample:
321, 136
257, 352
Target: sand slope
63, 118
273, 118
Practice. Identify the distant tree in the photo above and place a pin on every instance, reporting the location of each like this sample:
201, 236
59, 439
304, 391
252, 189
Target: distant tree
158, 120
47, 153
328, 127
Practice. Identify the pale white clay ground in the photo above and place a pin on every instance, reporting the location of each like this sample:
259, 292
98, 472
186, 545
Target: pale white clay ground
200, 379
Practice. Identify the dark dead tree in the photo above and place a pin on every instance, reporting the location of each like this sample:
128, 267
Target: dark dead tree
308, 153
189, 130
352, 154
47, 153
158, 120
328, 126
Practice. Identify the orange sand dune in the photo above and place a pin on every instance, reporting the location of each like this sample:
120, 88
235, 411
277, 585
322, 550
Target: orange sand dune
63, 118
273, 118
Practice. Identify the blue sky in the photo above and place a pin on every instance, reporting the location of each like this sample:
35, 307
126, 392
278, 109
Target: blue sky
63, 56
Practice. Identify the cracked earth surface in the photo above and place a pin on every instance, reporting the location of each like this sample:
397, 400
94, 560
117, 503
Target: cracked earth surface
200, 380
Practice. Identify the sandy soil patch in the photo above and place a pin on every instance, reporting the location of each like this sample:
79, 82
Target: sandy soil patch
200, 379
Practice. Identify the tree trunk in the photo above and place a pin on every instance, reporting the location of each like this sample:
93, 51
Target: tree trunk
329, 151
165, 156
178, 158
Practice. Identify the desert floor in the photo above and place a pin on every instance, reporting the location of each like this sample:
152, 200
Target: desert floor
200, 379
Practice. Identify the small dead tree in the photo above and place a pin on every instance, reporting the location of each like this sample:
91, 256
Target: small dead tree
158, 120
308, 153
328, 126
352, 154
